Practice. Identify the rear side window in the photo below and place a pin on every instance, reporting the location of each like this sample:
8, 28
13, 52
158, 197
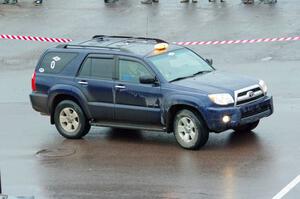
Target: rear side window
55, 62
100, 68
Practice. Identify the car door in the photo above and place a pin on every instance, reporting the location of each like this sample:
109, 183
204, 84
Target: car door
136, 103
95, 79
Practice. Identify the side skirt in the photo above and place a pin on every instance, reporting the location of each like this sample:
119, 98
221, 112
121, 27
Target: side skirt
129, 126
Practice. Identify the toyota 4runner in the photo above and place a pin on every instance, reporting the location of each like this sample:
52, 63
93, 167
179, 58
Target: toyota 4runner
143, 83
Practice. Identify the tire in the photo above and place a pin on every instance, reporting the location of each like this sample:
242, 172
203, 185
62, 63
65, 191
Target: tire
247, 127
70, 120
190, 130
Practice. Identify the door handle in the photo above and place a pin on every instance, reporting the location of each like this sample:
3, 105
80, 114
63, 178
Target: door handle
120, 86
82, 82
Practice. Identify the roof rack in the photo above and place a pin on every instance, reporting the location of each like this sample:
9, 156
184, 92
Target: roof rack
127, 37
87, 46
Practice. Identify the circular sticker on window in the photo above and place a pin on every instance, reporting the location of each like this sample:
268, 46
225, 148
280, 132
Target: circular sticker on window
41, 70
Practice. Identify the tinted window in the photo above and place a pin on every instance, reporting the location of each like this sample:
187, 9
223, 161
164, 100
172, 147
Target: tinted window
131, 71
85, 70
55, 62
97, 67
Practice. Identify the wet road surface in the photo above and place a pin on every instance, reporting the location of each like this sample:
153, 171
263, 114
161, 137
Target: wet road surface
113, 163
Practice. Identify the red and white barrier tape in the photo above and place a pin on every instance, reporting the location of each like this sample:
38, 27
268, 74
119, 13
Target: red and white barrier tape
33, 38
188, 43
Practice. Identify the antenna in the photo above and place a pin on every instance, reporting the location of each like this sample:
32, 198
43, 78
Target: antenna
0, 184
147, 28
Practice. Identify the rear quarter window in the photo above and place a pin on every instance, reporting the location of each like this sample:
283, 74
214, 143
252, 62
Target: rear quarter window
55, 62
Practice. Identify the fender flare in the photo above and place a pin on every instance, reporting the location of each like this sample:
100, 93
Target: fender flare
71, 91
182, 100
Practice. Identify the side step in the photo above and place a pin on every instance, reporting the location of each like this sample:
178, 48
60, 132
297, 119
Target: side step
129, 126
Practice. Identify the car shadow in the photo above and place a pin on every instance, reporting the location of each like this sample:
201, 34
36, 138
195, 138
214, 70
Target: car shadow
125, 135
221, 141
234, 140
138, 136
237, 139
216, 142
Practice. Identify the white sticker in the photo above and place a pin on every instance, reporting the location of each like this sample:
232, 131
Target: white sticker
42, 70
56, 58
52, 66
171, 54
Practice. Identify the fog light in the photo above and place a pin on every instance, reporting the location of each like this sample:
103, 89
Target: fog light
226, 119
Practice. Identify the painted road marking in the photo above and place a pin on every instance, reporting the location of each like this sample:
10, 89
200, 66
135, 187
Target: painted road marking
287, 188
183, 43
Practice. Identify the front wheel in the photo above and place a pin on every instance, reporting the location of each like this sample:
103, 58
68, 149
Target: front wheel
247, 127
189, 129
70, 120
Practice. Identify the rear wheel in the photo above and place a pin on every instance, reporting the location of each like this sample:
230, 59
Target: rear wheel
247, 127
189, 129
70, 120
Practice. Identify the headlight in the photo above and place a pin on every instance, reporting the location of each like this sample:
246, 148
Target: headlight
221, 99
263, 86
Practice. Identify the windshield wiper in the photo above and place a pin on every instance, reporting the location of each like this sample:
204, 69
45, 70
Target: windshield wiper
195, 74
201, 72
180, 78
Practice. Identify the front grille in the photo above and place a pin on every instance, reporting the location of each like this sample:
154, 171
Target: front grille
245, 92
256, 110
247, 95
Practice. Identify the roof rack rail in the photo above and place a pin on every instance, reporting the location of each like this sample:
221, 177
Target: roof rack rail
127, 37
87, 46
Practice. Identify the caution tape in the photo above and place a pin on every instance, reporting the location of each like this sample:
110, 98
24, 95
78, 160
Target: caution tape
34, 38
245, 41
185, 43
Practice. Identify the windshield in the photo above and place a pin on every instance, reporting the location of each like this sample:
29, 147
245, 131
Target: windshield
180, 64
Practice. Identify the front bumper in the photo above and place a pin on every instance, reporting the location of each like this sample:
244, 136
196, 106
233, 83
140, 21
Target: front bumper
239, 115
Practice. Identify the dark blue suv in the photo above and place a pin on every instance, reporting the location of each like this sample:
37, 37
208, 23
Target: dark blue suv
143, 83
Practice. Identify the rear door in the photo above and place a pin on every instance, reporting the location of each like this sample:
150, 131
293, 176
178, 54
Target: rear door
135, 102
95, 79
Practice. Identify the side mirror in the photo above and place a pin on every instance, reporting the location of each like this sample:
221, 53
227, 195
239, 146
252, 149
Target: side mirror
147, 79
209, 61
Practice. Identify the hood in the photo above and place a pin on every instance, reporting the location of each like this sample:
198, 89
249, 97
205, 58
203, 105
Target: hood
217, 82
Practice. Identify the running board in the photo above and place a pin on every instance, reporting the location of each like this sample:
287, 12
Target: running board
129, 126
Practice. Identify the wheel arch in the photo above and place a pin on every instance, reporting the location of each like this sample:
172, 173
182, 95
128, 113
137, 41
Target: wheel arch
174, 109
60, 95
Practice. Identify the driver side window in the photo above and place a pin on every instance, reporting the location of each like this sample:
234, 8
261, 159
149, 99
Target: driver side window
131, 71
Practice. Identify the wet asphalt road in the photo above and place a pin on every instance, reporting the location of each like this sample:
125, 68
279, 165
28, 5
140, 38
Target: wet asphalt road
112, 163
